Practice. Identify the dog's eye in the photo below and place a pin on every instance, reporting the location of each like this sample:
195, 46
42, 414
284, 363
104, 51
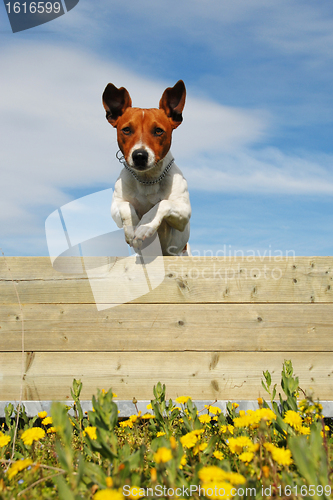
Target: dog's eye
126, 130
158, 131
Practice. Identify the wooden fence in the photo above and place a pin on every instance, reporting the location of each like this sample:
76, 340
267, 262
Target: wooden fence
208, 330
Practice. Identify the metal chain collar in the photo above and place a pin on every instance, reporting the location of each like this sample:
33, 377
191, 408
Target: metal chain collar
146, 183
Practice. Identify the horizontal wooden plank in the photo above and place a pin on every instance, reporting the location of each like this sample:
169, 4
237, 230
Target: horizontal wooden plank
219, 375
187, 280
168, 327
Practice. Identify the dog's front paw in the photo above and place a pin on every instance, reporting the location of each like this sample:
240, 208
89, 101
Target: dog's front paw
129, 234
141, 233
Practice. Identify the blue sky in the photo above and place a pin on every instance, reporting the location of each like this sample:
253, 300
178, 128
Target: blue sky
256, 141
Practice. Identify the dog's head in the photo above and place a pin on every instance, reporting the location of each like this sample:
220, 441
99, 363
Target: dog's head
144, 135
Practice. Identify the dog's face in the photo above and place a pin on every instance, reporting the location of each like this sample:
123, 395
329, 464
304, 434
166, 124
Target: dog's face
144, 135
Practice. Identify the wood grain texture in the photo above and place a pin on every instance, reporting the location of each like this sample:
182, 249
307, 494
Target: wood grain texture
219, 375
208, 330
187, 280
168, 327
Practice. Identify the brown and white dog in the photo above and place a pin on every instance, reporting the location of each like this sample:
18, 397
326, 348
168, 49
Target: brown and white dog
151, 192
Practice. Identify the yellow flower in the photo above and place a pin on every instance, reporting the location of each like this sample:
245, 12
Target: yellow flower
47, 421
173, 442
215, 410
247, 456
147, 416
304, 430
205, 419
217, 490
91, 431
218, 454
182, 399
109, 482
234, 406
51, 430
159, 434
149, 406
199, 447
153, 475
252, 418
265, 471
293, 419
109, 494
182, 461
236, 445
18, 466
33, 434
227, 428
4, 440
260, 401
135, 492
214, 473
279, 455
126, 423
42, 414
190, 439
163, 455
114, 395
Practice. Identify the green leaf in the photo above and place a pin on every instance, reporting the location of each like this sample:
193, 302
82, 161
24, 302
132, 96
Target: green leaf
64, 491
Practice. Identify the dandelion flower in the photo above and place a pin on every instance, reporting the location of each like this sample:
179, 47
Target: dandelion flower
47, 421
147, 416
215, 410
42, 414
218, 454
18, 466
189, 440
4, 440
51, 430
212, 473
265, 471
182, 461
205, 419
216, 490
279, 455
173, 442
91, 431
246, 457
159, 434
236, 445
33, 434
149, 406
109, 494
163, 455
293, 418
135, 492
182, 399
199, 447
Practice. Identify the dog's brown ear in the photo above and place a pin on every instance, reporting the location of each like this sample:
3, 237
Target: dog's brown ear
173, 102
115, 102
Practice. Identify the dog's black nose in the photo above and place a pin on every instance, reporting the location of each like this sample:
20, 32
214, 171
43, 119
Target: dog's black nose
140, 158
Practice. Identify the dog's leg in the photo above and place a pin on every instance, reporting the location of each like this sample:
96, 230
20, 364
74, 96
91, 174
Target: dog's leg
125, 216
176, 214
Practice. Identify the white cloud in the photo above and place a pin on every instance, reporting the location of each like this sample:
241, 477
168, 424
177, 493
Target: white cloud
267, 170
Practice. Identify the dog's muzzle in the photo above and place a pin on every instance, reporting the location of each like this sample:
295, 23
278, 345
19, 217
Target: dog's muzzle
140, 158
